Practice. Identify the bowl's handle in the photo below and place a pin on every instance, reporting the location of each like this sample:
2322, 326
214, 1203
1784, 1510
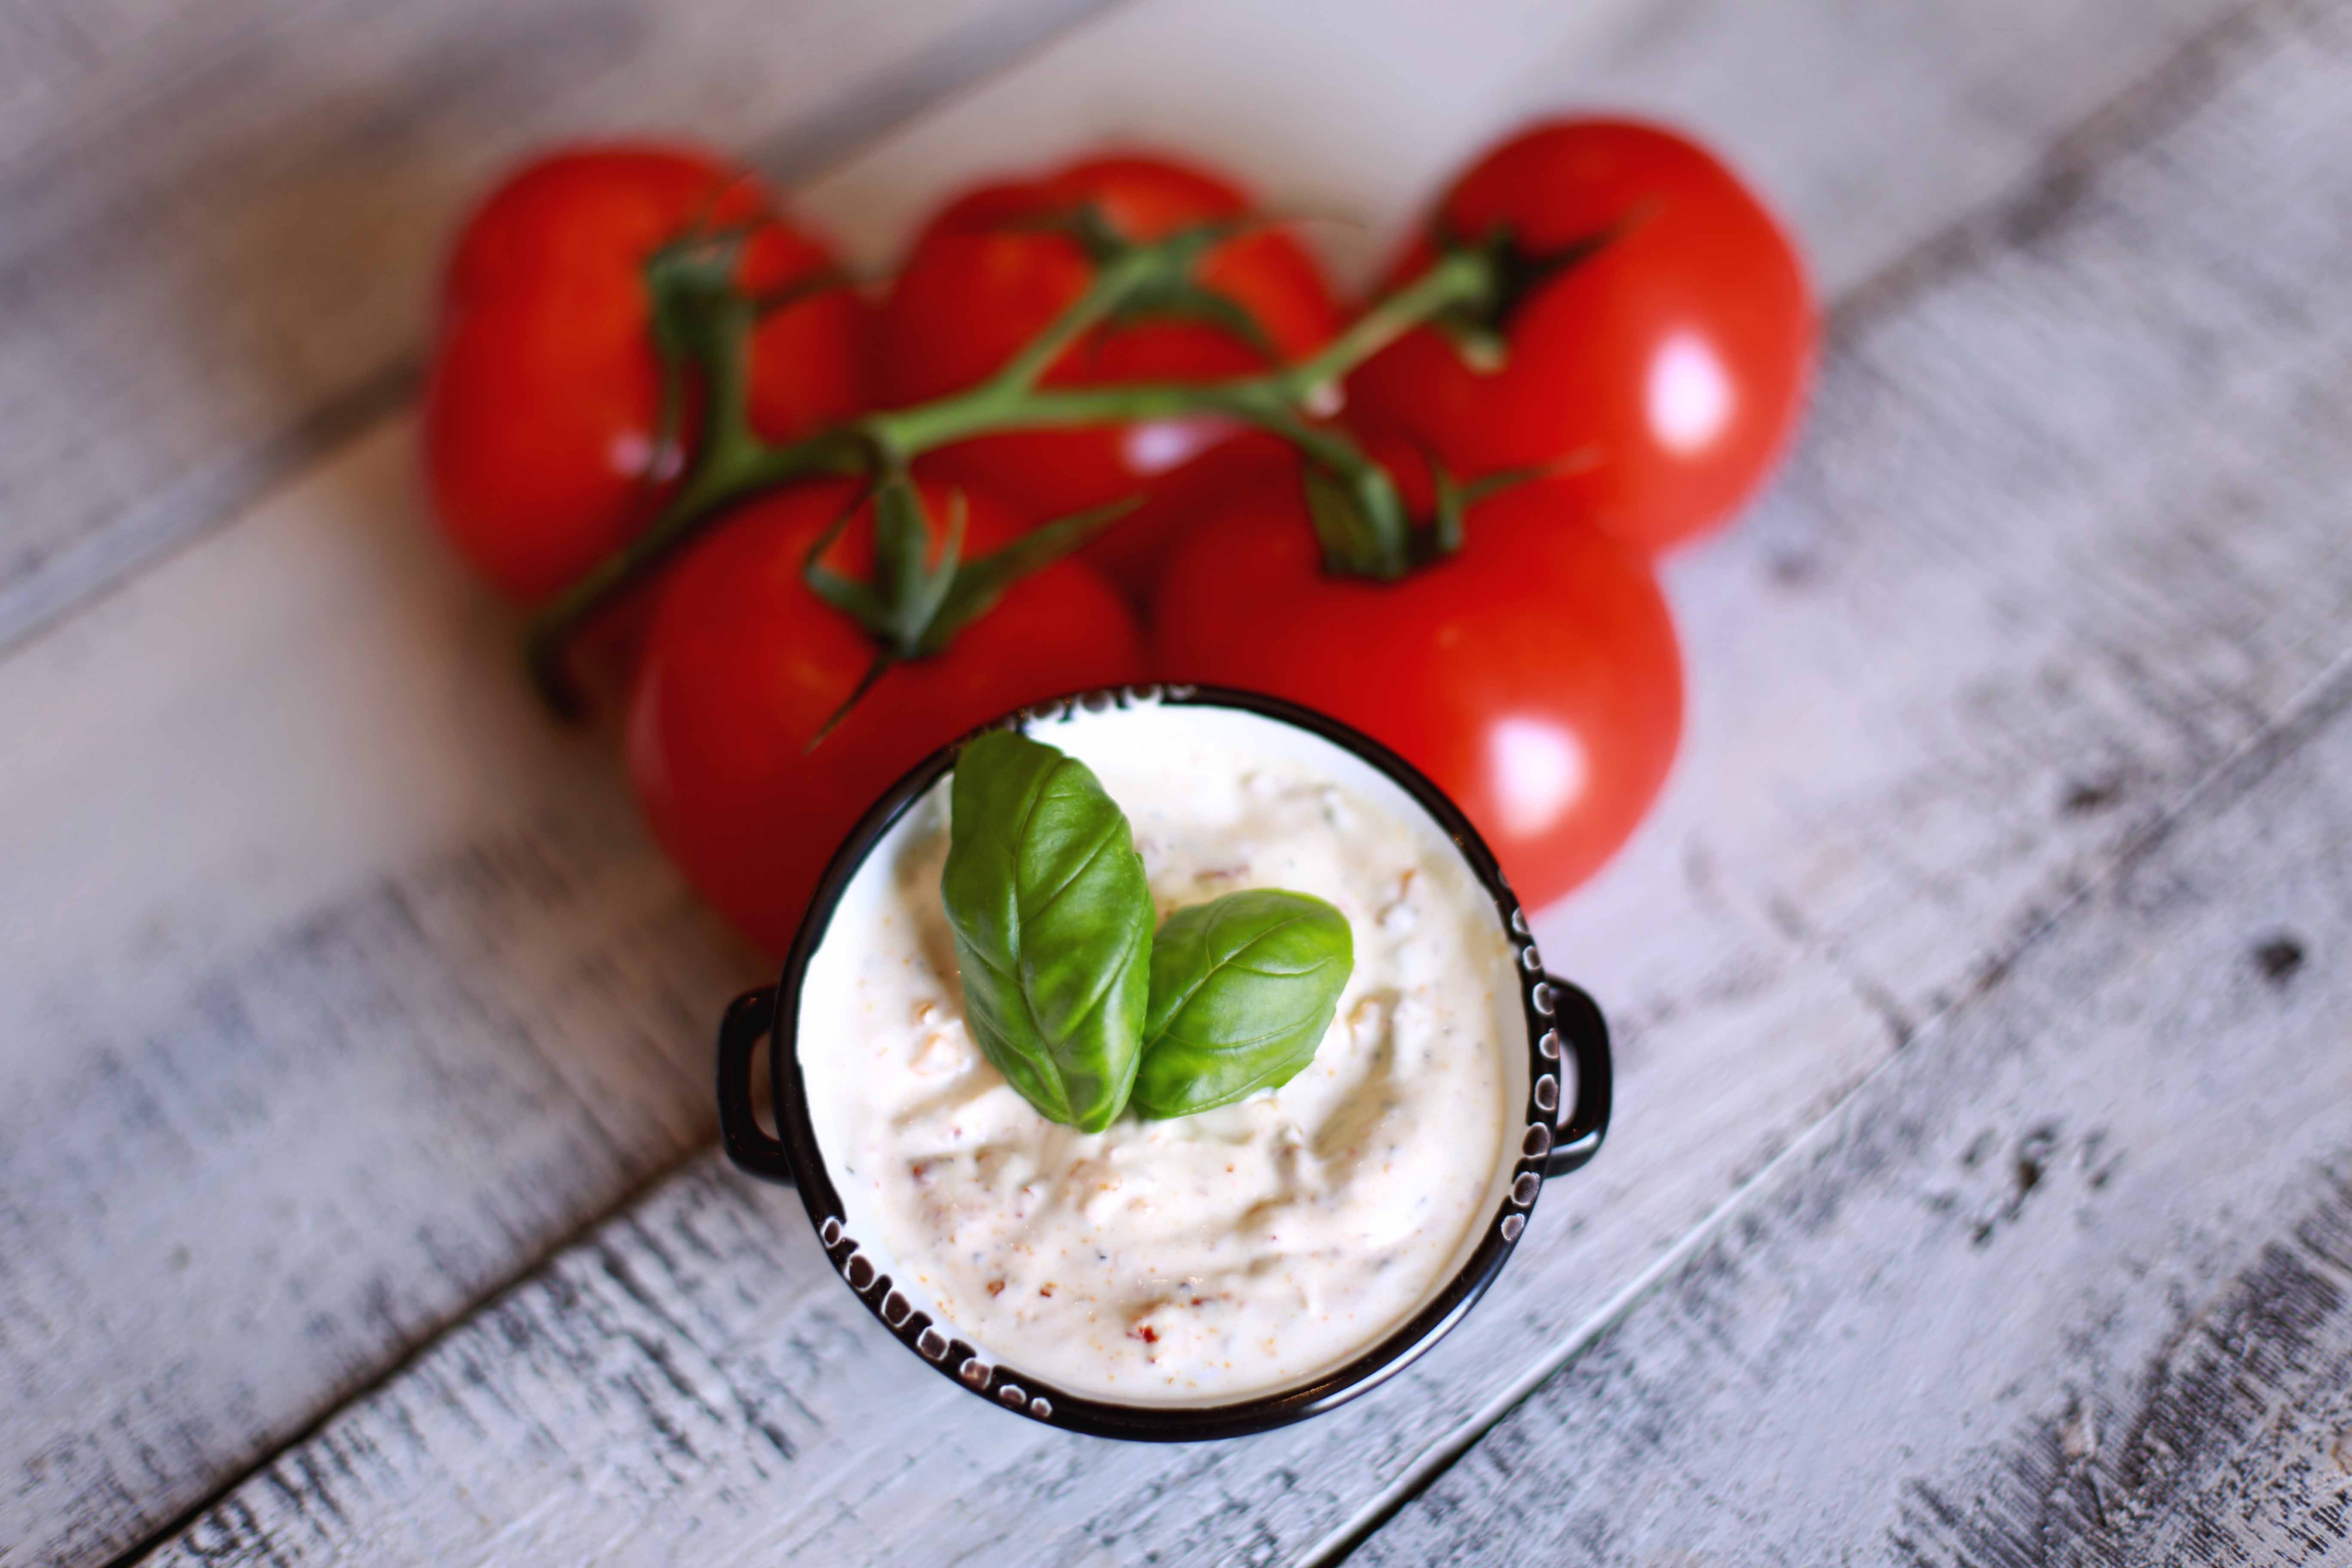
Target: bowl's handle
1585, 1034
749, 1016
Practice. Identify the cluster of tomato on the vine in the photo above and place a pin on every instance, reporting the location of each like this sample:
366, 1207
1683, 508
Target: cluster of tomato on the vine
634, 344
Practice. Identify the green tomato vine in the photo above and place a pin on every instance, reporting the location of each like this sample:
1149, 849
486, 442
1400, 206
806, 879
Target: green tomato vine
702, 327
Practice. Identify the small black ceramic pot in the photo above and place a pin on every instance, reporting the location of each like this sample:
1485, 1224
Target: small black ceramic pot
1563, 1029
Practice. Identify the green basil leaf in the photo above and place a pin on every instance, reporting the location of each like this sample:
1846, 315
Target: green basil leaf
1053, 926
1243, 989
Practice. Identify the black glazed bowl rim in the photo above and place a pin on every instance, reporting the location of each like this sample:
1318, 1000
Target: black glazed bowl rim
1553, 1008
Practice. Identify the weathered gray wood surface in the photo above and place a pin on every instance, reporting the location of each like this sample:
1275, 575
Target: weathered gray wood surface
222, 216
1962, 657
376, 975
2069, 1283
1872, 126
1878, 1358
308, 1045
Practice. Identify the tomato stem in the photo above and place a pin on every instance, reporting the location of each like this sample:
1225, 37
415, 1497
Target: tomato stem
723, 473
1362, 520
1112, 285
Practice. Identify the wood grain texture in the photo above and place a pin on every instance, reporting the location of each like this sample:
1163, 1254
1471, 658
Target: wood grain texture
2065, 532
304, 727
1960, 661
222, 219
309, 1049
2069, 1283
1869, 126
344, 989
224, 216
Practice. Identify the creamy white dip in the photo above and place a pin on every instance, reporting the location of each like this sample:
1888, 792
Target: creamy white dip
1209, 1257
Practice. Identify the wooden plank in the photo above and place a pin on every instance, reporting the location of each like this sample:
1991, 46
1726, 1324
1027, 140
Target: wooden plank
336, 747
2069, 1283
1870, 126
222, 219
253, 1146
222, 224
1962, 657
420, 1021
312, 861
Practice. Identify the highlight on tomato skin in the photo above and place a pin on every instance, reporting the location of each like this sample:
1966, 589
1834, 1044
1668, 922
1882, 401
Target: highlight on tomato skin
977, 286
1534, 675
743, 664
1666, 370
541, 414
1642, 392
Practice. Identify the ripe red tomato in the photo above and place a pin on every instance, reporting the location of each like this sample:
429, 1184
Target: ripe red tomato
542, 405
1672, 361
1533, 675
974, 291
743, 664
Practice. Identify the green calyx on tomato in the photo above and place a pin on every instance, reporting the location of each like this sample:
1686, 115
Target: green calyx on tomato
741, 663
914, 605
1365, 527
546, 444
1479, 328
704, 320
1173, 296
1532, 673
994, 265
1676, 355
1068, 991
1356, 510
700, 315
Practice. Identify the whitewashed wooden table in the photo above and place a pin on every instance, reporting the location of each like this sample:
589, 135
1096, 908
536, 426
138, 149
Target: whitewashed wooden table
1981, 1189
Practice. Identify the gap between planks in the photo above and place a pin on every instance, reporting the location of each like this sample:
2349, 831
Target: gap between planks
979, 47
394, 1370
2167, 96
957, 63
2326, 696
49, 582
2241, 1467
